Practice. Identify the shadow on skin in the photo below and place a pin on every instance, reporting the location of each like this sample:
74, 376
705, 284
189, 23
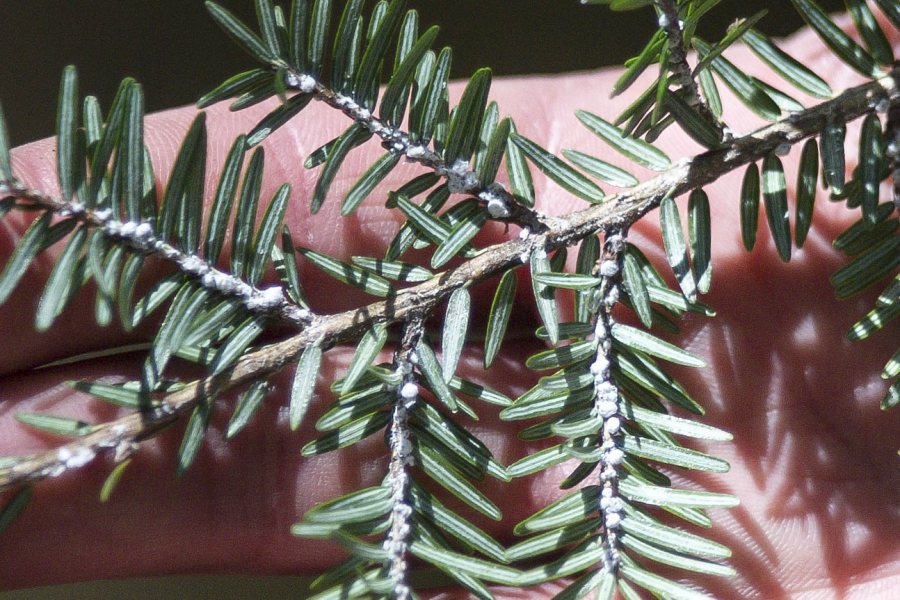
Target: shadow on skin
803, 404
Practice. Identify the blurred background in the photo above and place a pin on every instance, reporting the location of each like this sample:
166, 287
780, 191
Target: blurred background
175, 50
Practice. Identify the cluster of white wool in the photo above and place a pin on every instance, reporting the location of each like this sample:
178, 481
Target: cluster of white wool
415, 151
459, 178
300, 81
74, 458
495, 201
69, 458
606, 401
396, 542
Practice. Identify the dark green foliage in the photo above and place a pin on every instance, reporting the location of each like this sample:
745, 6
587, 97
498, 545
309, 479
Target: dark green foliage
14, 506
839, 42
774, 190
350, 274
637, 150
700, 236
790, 69
703, 132
871, 152
747, 91
750, 206
676, 247
832, 146
5, 164
559, 171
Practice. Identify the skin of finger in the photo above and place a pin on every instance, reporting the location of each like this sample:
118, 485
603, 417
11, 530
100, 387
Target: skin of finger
751, 283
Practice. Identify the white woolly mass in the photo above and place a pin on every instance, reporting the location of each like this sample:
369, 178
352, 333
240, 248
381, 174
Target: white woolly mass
416, 151
601, 332
102, 214
193, 264
302, 82
614, 457
267, 299
611, 503
73, 459
307, 84
616, 243
459, 178
409, 390
601, 364
609, 473
606, 409
138, 233
73, 208
612, 425
497, 208
612, 296
612, 520
143, 231
291, 80
496, 204
606, 391
128, 229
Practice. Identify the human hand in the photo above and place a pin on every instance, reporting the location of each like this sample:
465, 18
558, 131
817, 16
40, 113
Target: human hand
812, 461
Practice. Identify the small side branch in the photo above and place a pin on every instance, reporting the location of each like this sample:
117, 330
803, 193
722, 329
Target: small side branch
606, 397
140, 236
670, 21
396, 543
496, 199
